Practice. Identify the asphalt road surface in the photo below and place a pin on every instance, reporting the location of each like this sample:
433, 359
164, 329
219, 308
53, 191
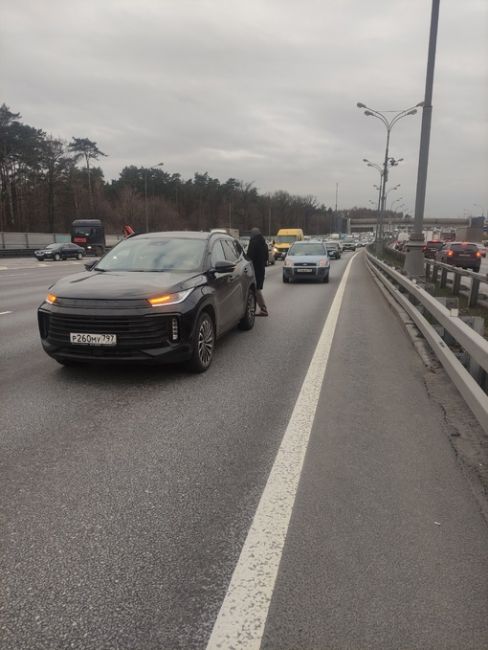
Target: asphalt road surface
128, 493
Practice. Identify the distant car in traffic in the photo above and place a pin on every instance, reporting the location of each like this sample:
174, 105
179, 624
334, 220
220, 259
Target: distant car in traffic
306, 260
333, 249
58, 252
157, 297
348, 245
431, 248
463, 254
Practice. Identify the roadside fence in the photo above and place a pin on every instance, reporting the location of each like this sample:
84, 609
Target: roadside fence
24, 243
461, 350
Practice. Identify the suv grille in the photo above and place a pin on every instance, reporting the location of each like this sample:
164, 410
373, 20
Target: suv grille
131, 331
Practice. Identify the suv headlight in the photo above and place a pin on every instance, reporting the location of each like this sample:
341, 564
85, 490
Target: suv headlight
169, 298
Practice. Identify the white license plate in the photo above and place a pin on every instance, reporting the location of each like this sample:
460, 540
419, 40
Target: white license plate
93, 339
304, 270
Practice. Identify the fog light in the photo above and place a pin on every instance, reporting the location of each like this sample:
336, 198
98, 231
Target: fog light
175, 333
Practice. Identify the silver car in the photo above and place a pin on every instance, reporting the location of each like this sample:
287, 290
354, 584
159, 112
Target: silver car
334, 249
306, 260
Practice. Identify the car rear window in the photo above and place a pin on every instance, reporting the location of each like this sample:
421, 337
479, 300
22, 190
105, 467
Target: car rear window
435, 244
464, 247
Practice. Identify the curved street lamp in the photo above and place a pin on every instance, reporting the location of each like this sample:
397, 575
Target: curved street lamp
377, 187
392, 189
389, 124
395, 201
477, 205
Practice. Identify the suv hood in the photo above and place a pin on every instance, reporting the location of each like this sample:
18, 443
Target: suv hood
128, 285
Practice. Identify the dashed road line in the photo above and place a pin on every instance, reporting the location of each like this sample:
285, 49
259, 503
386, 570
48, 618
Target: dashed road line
3, 313
242, 617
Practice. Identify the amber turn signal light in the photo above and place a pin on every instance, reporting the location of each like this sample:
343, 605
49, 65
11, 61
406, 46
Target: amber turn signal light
160, 300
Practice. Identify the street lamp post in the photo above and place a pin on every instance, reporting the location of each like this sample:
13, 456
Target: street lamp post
389, 124
146, 219
477, 205
378, 209
414, 259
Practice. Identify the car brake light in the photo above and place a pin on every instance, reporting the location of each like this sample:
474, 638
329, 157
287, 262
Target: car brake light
478, 254
450, 253
51, 298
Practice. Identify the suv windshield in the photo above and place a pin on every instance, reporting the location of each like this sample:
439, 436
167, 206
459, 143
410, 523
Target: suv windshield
307, 249
149, 254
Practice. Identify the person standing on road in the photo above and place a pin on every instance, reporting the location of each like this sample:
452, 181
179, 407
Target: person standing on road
257, 252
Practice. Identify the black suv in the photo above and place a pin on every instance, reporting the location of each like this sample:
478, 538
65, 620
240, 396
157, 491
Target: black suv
158, 297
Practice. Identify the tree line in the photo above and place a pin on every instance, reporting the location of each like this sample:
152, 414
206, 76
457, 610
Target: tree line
46, 182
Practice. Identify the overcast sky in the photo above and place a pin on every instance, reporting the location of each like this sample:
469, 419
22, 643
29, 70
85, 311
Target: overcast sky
260, 90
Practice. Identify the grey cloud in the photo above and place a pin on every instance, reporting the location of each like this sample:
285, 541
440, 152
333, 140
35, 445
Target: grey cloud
263, 91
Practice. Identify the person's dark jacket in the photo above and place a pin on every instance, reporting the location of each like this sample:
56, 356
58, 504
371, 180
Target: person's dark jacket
257, 252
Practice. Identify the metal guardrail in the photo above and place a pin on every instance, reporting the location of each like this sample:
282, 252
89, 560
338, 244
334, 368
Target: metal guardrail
16, 252
474, 344
23, 244
432, 268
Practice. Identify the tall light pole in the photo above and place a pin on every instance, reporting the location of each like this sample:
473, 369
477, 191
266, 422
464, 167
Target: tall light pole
389, 124
336, 223
378, 209
145, 193
414, 259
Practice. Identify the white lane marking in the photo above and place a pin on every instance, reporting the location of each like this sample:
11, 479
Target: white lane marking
3, 268
242, 617
2, 313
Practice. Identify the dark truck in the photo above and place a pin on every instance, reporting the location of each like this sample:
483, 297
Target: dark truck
90, 235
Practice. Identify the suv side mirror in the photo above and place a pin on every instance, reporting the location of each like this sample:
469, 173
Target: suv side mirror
89, 265
224, 267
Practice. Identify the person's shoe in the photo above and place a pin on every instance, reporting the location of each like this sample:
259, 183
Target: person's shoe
263, 312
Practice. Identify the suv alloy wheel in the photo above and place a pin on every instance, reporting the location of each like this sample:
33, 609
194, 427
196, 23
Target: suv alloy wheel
204, 343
